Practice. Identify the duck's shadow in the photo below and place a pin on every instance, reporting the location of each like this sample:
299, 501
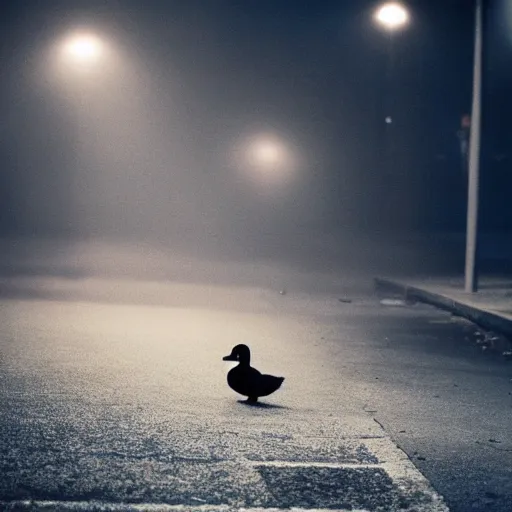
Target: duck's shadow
262, 405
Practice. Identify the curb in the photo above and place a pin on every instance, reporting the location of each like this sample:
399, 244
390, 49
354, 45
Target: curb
486, 319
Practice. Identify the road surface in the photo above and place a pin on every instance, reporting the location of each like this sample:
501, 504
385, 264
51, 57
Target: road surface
112, 401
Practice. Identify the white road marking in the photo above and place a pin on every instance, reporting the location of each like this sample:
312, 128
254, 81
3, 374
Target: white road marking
310, 464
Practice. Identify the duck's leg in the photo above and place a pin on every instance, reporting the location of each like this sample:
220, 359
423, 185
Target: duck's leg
252, 399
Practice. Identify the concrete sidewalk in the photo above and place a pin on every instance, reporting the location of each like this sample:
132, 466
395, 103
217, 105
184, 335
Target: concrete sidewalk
490, 307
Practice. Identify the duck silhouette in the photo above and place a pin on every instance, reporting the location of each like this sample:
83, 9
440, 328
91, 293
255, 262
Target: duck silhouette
248, 381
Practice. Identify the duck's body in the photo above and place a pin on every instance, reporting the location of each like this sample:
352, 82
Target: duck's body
248, 381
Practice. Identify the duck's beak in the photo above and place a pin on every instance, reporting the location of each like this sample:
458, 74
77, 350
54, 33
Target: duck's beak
231, 357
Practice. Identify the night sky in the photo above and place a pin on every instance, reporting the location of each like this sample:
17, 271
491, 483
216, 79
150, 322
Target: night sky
145, 148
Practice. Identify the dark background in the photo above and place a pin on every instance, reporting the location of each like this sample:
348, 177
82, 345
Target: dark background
316, 71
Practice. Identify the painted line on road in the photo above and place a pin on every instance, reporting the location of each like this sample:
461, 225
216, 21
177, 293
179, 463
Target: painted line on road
312, 464
338, 438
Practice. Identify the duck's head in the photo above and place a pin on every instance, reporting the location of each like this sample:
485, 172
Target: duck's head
240, 353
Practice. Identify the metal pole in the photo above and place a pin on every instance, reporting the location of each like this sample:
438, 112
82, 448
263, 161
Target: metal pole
471, 285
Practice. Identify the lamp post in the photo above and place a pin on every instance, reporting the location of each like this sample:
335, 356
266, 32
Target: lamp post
471, 284
393, 16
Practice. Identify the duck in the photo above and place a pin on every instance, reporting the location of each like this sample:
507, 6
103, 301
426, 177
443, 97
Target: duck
246, 380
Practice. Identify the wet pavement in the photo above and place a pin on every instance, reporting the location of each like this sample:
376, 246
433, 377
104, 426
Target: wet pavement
119, 407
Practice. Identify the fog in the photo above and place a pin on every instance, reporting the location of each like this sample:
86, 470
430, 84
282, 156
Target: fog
106, 270
225, 144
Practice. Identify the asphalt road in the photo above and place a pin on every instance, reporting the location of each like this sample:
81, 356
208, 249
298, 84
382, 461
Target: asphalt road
107, 404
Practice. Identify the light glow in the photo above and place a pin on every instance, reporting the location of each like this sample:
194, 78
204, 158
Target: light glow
266, 158
83, 48
392, 16
267, 152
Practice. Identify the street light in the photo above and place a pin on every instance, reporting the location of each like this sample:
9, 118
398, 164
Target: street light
84, 56
84, 61
267, 153
83, 47
266, 158
392, 16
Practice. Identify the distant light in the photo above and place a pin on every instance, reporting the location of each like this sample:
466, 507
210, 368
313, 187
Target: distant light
392, 15
266, 158
267, 152
83, 48
389, 120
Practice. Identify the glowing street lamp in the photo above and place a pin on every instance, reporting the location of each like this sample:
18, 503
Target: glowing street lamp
392, 16
267, 153
266, 158
82, 49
